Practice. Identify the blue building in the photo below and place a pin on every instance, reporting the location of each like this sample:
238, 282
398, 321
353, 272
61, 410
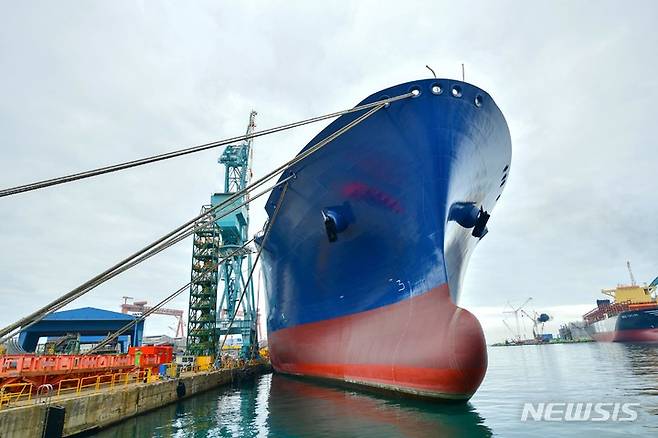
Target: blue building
90, 323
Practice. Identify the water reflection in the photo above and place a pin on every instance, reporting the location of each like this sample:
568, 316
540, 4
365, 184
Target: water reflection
282, 407
300, 408
642, 359
278, 406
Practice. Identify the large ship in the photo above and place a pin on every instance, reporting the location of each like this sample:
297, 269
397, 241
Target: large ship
630, 316
365, 256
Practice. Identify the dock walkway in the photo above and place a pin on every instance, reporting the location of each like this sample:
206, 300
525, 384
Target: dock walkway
91, 410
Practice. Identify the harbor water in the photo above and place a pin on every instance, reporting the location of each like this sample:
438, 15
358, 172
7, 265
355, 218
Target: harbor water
279, 406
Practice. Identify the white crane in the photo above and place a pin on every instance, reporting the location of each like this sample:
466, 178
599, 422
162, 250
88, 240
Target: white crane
516, 312
630, 272
537, 319
509, 328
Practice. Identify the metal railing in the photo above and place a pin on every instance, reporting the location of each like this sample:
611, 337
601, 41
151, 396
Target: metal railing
103, 381
12, 393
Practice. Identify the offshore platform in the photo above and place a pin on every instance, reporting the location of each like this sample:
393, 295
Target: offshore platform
220, 257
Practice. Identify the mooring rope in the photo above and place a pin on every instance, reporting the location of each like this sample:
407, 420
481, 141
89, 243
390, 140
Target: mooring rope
253, 267
122, 267
107, 274
170, 297
189, 150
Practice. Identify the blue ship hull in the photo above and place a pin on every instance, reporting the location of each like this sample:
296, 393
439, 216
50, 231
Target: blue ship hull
635, 326
405, 196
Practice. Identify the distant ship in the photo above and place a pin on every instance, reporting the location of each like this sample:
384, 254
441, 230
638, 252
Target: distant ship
364, 262
631, 316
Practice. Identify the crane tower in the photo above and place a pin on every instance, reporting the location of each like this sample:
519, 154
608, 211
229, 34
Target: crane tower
224, 239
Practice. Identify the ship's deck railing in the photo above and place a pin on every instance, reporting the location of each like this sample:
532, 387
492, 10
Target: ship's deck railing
605, 311
612, 309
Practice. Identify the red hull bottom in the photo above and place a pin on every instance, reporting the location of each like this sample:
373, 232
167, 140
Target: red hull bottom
424, 345
633, 335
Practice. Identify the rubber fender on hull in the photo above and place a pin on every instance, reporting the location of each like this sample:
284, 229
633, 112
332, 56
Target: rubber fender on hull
180, 389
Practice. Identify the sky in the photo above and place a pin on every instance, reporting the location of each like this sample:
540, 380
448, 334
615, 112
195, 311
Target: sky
86, 84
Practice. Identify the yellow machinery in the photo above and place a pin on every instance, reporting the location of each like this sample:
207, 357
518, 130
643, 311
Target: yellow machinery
204, 363
633, 293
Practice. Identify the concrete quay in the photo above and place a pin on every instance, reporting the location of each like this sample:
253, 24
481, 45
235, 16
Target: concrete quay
92, 411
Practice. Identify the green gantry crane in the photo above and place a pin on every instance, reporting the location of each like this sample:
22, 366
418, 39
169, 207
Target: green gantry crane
224, 239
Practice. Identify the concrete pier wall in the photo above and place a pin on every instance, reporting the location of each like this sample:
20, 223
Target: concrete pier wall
94, 411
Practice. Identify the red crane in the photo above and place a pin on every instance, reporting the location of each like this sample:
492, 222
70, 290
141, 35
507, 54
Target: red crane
141, 307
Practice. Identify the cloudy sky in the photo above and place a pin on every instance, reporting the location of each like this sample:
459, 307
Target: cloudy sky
86, 84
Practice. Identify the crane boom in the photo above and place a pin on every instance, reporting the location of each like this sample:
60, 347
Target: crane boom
516, 312
630, 272
141, 307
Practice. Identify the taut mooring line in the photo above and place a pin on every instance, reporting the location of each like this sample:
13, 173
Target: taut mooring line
162, 242
170, 297
190, 150
253, 267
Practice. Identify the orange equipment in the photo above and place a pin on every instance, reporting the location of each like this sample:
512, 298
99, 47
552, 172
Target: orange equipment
51, 369
163, 353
